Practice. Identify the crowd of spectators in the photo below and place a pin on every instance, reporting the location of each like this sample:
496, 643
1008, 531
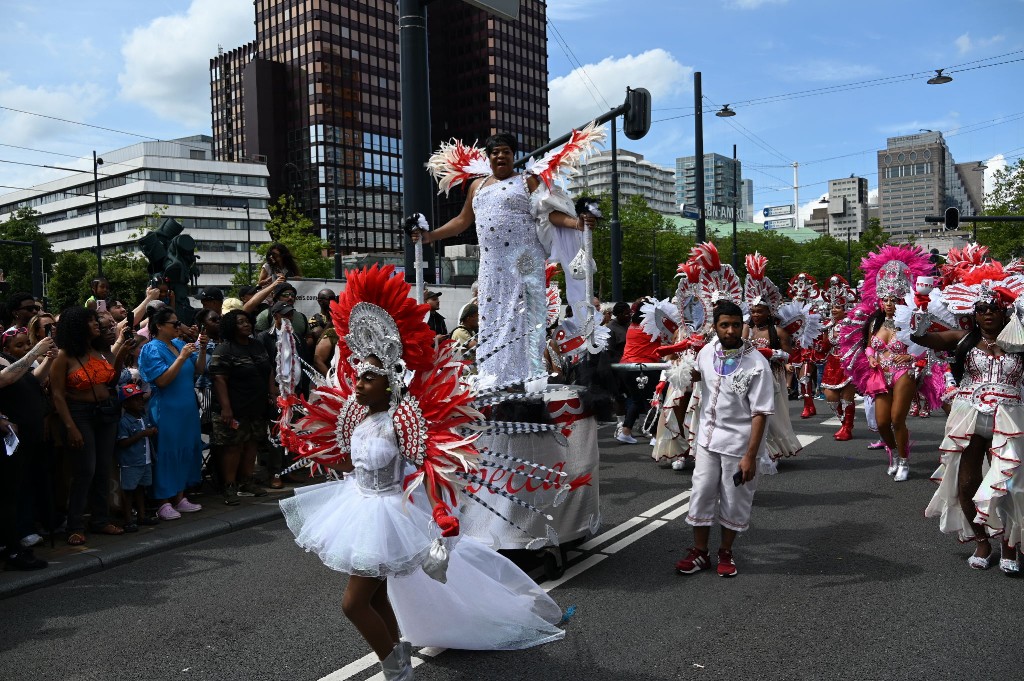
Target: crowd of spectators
115, 418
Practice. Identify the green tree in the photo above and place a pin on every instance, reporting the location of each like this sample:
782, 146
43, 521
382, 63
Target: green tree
648, 239
289, 226
74, 270
16, 261
1005, 240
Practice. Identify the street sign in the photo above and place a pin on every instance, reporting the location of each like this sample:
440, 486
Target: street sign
690, 212
785, 223
506, 9
775, 211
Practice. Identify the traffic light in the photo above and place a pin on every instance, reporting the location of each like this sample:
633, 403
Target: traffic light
951, 218
637, 119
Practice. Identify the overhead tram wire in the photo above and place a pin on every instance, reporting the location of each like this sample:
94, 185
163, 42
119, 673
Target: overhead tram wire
578, 66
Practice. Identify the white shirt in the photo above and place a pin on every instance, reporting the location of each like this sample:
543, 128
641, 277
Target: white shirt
728, 403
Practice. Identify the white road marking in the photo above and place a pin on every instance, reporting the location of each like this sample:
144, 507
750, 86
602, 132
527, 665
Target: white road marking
634, 536
666, 504
807, 440
831, 422
370, 659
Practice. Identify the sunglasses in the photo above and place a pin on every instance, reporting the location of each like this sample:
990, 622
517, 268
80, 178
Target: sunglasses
176, 323
982, 308
12, 332
31, 308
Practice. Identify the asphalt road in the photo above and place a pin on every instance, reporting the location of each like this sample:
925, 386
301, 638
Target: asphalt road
841, 577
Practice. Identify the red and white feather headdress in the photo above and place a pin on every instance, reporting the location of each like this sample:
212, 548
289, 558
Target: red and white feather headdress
838, 293
988, 283
717, 282
661, 319
758, 289
803, 288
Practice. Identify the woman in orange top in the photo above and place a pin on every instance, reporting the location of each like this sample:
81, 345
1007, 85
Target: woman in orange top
80, 381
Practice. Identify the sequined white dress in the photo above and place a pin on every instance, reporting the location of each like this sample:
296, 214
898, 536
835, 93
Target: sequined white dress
511, 282
361, 526
987, 403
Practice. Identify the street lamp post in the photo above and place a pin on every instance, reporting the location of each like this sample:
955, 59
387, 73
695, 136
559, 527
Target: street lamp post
248, 241
96, 163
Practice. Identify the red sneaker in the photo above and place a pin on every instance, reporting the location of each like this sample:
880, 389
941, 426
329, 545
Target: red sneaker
726, 567
695, 561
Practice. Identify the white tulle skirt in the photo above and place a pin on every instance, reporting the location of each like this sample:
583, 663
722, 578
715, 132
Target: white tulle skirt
487, 603
780, 437
1000, 498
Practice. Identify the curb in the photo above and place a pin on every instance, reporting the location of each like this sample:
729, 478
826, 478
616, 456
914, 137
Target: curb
89, 562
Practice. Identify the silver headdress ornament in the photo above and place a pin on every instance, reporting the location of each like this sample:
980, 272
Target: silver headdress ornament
893, 281
372, 331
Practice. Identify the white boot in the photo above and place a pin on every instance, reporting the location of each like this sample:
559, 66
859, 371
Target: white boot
397, 666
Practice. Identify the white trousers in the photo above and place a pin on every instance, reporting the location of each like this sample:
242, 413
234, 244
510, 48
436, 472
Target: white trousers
715, 498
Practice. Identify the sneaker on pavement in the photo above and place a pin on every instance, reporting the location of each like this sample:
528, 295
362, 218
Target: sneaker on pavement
679, 464
23, 560
251, 489
695, 561
186, 506
167, 512
628, 439
231, 494
726, 566
31, 540
902, 470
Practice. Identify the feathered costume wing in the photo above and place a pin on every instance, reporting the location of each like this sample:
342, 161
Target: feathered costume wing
661, 319
563, 161
430, 417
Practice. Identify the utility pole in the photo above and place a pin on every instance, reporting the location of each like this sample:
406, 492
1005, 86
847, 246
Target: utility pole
96, 162
735, 208
698, 142
796, 193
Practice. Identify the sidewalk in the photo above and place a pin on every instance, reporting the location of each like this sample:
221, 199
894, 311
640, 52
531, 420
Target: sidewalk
102, 552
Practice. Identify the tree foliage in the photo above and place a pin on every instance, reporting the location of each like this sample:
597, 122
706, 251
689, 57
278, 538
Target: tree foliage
291, 227
74, 270
1005, 240
16, 261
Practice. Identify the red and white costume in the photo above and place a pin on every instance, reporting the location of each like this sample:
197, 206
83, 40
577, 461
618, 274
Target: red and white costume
834, 377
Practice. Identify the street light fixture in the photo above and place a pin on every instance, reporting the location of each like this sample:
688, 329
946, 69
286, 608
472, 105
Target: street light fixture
939, 78
725, 112
980, 168
96, 163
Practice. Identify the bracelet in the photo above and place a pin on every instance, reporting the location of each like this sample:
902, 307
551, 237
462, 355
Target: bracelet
869, 352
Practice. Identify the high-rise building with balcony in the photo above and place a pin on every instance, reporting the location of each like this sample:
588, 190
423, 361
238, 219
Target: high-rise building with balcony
847, 211
317, 94
637, 177
917, 176
722, 181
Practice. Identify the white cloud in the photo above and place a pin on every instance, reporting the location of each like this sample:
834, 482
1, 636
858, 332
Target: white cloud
995, 164
167, 61
571, 97
76, 101
965, 43
827, 70
947, 124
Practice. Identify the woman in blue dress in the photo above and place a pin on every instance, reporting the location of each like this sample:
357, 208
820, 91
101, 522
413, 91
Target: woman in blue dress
170, 366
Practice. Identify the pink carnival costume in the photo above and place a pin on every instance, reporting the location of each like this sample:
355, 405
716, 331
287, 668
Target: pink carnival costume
876, 365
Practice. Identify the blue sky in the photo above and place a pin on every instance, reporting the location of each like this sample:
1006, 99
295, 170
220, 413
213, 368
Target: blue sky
143, 67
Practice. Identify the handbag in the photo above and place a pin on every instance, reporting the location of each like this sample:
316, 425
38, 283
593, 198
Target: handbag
579, 267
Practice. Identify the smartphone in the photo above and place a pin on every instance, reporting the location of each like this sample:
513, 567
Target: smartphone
101, 306
737, 478
48, 330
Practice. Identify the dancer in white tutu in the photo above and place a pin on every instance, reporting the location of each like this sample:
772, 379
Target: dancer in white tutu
987, 416
394, 420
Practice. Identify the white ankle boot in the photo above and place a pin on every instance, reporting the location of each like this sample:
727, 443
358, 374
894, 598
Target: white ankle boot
397, 666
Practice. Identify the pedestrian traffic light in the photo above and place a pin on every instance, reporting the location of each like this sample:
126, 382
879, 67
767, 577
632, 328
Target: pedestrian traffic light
637, 119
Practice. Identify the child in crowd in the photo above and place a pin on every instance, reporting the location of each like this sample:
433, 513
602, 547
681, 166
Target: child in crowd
100, 288
134, 455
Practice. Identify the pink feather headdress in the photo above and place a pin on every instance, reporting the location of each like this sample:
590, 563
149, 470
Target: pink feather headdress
892, 272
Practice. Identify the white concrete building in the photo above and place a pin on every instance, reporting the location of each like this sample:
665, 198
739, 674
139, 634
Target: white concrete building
847, 207
637, 177
222, 205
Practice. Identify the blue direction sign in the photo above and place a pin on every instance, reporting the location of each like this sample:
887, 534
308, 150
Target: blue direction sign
690, 212
785, 223
776, 211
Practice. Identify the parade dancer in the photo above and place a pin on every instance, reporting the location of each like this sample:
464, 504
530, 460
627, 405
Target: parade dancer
803, 289
878, 362
520, 220
839, 390
986, 415
738, 402
395, 420
764, 302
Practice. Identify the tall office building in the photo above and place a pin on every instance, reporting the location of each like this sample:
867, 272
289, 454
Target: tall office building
722, 181
747, 194
221, 204
317, 94
847, 211
637, 177
917, 176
